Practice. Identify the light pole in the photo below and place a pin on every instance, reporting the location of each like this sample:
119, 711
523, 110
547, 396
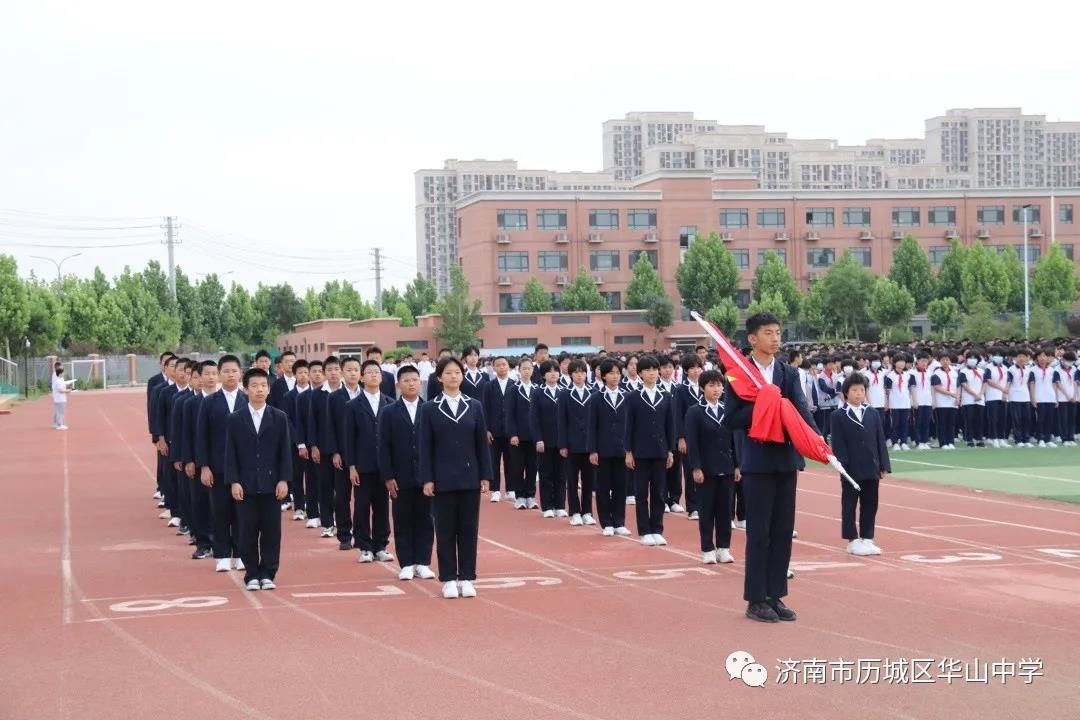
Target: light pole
1027, 308
26, 368
59, 277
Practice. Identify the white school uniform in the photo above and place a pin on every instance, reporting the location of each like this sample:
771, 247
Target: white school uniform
973, 379
1066, 391
875, 390
1044, 380
1018, 389
998, 374
899, 392
920, 380
947, 382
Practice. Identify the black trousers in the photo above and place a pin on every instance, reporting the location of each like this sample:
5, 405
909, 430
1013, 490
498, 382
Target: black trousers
371, 513
715, 496
1020, 414
899, 425
738, 503
867, 501
770, 520
923, 415
650, 490
259, 519
995, 420
199, 524
162, 481
1046, 415
523, 469
611, 492
500, 453
673, 478
457, 527
223, 529
552, 484
693, 503
305, 487
168, 485
324, 480
342, 504
577, 465
946, 425
973, 423
1066, 415
183, 493
414, 529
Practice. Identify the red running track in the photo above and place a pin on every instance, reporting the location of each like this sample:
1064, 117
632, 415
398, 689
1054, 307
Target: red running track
108, 617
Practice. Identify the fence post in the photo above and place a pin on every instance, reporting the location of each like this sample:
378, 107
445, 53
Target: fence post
132, 375
93, 365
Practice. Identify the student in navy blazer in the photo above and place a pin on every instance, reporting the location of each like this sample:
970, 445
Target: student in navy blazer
455, 467
199, 497
332, 446
710, 456
388, 384
371, 503
497, 393
769, 472
161, 382
522, 466
162, 415
258, 466
688, 394
290, 404
475, 379
306, 481
858, 440
543, 417
399, 470
175, 438
573, 423
649, 438
607, 451
210, 435
317, 429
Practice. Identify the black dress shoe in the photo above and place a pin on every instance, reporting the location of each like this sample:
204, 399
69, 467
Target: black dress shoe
344, 545
201, 554
783, 612
761, 612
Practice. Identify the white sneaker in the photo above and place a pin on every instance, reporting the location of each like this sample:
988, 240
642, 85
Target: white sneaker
794, 534
549, 513
905, 446
222, 565
608, 532
519, 504
530, 503
424, 572
299, 515
631, 500
467, 589
677, 508
853, 547
561, 513
622, 531
511, 495
175, 522
268, 585
496, 496
692, 516
724, 555
165, 515
709, 558
383, 556
667, 509
870, 548
659, 540
238, 564
254, 585
449, 590
587, 519
790, 574
327, 532
158, 495
1042, 444
733, 526
286, 507
576, 520
365, 556
740, 525
62, 427
407, 573
1051, 444
649, 540
313, 523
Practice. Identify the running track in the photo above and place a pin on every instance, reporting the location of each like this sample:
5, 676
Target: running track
108, 617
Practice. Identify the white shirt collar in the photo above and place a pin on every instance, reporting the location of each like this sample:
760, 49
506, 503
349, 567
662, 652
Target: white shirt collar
372, 396
353, 395
302, 389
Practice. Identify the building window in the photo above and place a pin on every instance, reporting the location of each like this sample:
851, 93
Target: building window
641, 219
513, 219
941, 215
771, 217
509, 302
734, 218
521, 342
550, 219
517, 320
742, 258
604, 260
513, 261
604, 219
742, 298
1065, 214
1068, 250
414, 344
1034, 214
820, 257
905, 216
629, 340
576, 340
551, 261
761, 254
819, 217
556, 301
687, 233
857, 217
990, 214
633, 256
861, 255
937, 253
999, 249
1034, 251
613, 300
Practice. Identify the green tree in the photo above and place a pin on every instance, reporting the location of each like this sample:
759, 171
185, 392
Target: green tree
944, 314
14, 314
45, 321
1015, 271
461, 318
581, 293
404, 314
1053, 284
770, 303
911, 271
189, 310
149, 326
100, 283
659, 314
815, 311
157, 282
950, 278
342, 300
279, 310
421, 294
211, 294
724, 315
238, 318
645, 284
773, 276
983, 277
979, 324
79, 307
312, 306
890, 305
390, 298
847, 288
113, 330
707, 275
534, 298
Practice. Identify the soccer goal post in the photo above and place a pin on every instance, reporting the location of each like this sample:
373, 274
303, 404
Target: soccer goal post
88, 374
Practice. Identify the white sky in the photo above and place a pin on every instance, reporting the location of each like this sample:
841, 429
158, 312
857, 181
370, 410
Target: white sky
296, 127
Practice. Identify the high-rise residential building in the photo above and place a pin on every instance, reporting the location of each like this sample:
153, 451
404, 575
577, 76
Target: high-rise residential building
998, 147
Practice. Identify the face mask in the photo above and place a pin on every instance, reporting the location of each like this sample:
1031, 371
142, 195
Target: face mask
848, 370
875, 365
820, 367
997, 359
972, 362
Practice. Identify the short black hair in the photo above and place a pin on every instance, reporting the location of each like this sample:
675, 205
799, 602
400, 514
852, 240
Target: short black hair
372, 350
196, 368
164, 355
690, 361
287, 352
299, 365
607, 365
331, 360
172, 360
315, 364
710, 376
665, 360
794, 353
208, 363
699, 347
262, 354
225, 359
370, 363
448, 360
759, 320
647, 362
255, 373
577, 366
852, 380
405, 370
547, 366
350, 359
470, 350
539, 347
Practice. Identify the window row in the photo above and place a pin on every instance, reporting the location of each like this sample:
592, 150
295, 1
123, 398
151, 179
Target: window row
530, 342
817, 258
636, 219
509, 261
512, 302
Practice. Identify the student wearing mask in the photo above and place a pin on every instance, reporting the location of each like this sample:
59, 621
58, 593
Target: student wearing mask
995, 394
972, 403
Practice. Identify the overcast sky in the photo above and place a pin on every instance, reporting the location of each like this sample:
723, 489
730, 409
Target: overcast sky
295, 131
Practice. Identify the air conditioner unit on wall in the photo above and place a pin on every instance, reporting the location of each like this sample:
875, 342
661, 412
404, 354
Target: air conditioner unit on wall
598, 279
562, 238
812, 235
652, 237
504, 280
595, 237
866, 235
503, 238
781, 237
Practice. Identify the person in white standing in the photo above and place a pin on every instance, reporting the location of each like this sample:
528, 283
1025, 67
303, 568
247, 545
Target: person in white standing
60, 390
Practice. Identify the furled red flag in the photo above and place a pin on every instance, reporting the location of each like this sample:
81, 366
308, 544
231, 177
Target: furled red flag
774, 418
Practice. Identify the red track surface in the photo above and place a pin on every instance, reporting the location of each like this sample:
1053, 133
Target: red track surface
608, 638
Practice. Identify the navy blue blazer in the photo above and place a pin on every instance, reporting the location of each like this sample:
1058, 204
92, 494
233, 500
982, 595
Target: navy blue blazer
605, 434
151, 385
709, 444
162, 414
278, 390
650, 426
768, 457
175, 436
497, 405
454, 452
258, 461
860, 446
211, 428
302, 418
190, 427
434, 387
332, 434
290, 404
519, 413
686, 397
573, 420
544, 417
360, 433
388, 386
399, 445
317, 418
474, 386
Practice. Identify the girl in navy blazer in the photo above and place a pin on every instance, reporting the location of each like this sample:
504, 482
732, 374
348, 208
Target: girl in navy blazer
522, 478
607, 452
544, 414
710, 455
650, 445
573, 416
455, 467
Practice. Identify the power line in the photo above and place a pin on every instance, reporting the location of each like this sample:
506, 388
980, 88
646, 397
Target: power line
75, 247
74, 218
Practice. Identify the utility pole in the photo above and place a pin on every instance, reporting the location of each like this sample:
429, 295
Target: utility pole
172, 240
378, 280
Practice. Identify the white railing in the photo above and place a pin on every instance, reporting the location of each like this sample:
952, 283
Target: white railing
9, 372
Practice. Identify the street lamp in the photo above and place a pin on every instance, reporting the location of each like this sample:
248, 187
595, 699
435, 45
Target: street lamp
26, 368
59, 278
1027, 309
